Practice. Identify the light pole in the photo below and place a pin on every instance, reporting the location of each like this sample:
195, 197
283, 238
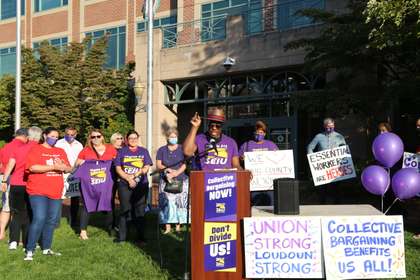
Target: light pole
18, 66
149, 75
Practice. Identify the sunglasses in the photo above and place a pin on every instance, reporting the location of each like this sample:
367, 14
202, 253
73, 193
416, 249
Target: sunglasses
95, 136
119, 138
215, 125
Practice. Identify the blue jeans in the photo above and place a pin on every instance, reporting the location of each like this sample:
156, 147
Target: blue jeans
45, 218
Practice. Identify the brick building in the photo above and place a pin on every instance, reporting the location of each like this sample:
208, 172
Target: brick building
192, 40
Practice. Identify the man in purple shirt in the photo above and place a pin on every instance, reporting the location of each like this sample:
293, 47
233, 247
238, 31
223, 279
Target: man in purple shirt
225, 152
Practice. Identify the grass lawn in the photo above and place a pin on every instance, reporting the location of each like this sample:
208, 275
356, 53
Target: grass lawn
100, 258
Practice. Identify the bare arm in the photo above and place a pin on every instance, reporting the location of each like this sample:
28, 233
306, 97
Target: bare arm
9, 167
189, 145
236, 163
160, 165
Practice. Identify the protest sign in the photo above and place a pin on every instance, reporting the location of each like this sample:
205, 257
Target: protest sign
411, 160
363, 247
71, 186
220, 247
267, 166
283, 247
331, 165
220, 196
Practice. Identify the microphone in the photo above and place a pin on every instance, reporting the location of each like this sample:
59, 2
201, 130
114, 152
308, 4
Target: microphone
213, 144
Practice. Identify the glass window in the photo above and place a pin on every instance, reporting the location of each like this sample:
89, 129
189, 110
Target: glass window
116, 45
287, 17
8, 8
42, 5
8, 61
169, 29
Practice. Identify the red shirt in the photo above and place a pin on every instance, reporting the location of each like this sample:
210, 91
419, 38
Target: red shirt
88, 153
7, 151
19, 155
49, 184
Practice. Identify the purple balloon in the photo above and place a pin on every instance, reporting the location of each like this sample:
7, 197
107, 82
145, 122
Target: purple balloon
406, 183
388, 149
375, 179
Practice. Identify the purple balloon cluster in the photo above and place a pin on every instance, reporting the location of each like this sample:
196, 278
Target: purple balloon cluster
388, 149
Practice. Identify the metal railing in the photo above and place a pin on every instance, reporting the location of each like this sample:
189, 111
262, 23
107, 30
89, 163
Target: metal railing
266, 19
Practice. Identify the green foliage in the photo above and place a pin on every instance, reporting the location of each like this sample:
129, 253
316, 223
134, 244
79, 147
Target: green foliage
393, 21
69, 87
360, 77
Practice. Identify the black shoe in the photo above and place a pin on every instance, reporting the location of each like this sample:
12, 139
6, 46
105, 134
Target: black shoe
118, 241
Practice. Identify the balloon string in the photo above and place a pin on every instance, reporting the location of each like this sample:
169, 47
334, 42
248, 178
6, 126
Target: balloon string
382, 203
390, 206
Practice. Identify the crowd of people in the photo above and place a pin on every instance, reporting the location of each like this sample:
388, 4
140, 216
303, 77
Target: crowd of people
37, 166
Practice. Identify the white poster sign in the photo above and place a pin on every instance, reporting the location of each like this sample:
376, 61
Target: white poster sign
411, 160
331, 165
267, 166
363, 247
283, 247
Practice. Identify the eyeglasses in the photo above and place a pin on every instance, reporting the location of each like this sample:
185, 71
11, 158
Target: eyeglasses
119, 138
215, 125
95, 136
132, 138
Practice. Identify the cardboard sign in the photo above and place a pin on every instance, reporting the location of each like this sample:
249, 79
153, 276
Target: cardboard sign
411, 160
267, 166
331, 165
220, 196
363, 247
220, 247
283, 247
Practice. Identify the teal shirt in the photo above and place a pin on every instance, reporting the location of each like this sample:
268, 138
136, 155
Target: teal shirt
326, 141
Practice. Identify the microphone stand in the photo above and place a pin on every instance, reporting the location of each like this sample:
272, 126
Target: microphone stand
187, 161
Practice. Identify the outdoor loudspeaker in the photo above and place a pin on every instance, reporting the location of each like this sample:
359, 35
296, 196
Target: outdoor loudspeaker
286, 196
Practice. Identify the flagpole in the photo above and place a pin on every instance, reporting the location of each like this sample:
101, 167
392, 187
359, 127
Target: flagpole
18, 66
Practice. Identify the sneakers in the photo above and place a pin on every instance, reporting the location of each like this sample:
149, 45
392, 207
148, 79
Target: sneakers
49, 252
29, 256
13, 245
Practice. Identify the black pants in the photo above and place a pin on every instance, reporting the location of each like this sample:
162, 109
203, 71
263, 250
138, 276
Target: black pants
133, 202
114, 212
21, 211
74, 210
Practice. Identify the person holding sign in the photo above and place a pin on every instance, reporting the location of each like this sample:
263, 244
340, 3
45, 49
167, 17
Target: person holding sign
259, 143
328, 139
96, 150
224, 154
72, 147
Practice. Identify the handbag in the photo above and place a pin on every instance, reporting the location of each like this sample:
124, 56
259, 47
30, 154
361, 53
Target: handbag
174, 186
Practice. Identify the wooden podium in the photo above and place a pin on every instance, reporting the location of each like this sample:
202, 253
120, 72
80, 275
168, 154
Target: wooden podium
197, 185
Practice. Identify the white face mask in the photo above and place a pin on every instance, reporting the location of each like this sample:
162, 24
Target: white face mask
173, 140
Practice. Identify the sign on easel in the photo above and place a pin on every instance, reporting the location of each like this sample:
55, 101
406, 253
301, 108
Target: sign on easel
331, 165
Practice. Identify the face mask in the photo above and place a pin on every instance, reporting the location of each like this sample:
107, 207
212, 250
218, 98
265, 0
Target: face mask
259, 137
173, 141
51, 141
329, 129
68, 138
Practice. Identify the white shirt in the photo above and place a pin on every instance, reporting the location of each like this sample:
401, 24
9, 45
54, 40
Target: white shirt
72, 150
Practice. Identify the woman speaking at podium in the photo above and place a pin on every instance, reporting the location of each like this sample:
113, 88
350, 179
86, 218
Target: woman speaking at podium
222, 151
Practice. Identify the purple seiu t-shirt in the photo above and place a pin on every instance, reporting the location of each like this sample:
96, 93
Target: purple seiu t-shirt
252, 146
96, 184
226, 150
131, 161
169, 157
